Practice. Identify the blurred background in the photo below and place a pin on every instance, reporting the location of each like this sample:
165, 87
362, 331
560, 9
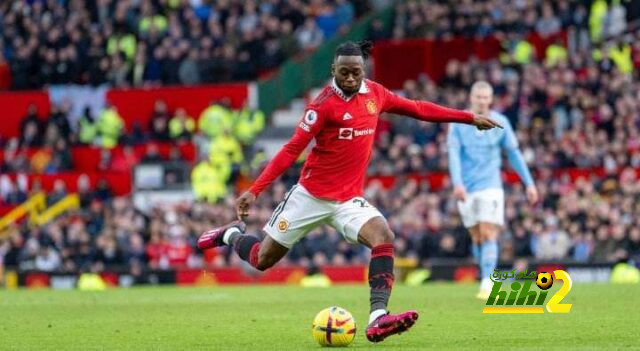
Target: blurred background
129, 127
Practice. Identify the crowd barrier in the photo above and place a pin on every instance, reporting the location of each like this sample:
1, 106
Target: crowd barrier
397, 61
457, 270
134, 105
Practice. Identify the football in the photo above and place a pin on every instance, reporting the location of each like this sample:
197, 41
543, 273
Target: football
544, 280
334, 326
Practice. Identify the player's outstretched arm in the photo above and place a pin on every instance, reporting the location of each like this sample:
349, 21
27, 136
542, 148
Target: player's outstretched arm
512, 149
430, 112
281, 161
455, 165
309, 126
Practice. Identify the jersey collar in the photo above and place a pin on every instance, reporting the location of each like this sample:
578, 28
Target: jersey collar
363, 89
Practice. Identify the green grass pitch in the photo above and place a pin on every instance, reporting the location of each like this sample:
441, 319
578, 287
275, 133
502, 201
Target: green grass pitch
279, 318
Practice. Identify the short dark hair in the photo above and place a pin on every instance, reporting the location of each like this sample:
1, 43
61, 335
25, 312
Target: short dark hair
350, 48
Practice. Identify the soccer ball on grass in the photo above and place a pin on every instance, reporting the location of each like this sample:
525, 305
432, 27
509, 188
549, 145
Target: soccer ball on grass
334, 326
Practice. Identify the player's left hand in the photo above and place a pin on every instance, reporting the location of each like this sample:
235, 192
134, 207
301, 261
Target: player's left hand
243, 203
484, 123
532, 194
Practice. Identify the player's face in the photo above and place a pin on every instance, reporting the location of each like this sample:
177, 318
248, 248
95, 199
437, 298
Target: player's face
349, 73
481, 100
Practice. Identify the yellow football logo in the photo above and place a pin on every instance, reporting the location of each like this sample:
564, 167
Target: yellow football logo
544, 280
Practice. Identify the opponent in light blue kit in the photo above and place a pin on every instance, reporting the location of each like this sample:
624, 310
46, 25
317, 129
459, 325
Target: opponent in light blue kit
475, 162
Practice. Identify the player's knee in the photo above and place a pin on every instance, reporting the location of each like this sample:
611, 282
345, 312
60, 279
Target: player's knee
384, 236
488, 231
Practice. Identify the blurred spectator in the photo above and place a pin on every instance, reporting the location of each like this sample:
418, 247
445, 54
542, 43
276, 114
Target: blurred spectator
159, 122
207, 182
58, 193
125, 161
309, 36
188, 71
248, 124
215, 119
84, 191
228, 145
61, 159
103, 191
87, 127
152, 154
110, 126
548, 24
30, 128
156, 252
47, 260
181, 126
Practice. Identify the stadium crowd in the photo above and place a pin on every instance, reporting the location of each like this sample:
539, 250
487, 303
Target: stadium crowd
135, 43
446, 19
579, 111
583, 220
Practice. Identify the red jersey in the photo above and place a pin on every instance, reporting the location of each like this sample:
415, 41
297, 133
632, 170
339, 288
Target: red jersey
344, 129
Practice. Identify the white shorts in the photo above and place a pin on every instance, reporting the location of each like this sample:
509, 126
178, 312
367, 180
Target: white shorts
301, 212
482, 206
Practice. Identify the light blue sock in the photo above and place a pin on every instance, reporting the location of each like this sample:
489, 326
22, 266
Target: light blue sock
475, 252
488, 258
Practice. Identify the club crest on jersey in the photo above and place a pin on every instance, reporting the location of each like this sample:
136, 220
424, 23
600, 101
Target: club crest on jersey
283, 225
346, 116
371, 106
311, 117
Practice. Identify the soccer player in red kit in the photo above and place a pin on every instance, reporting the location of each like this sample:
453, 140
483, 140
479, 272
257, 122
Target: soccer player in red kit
342, 120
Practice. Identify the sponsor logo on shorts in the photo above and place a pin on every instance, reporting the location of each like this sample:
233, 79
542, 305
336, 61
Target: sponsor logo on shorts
283, 225
350, 133
304, 127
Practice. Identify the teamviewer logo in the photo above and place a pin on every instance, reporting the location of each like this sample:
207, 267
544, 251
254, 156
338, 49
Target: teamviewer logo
345, 133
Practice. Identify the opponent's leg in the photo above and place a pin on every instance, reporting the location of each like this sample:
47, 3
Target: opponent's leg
488, 233
377, 235
475, 243
260, 254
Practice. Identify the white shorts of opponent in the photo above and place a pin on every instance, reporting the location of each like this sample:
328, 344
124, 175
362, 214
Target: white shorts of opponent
482, 206
301, 212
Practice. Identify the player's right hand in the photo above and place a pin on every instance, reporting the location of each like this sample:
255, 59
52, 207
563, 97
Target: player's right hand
484, 123
532, 194
243, 203
459, 193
